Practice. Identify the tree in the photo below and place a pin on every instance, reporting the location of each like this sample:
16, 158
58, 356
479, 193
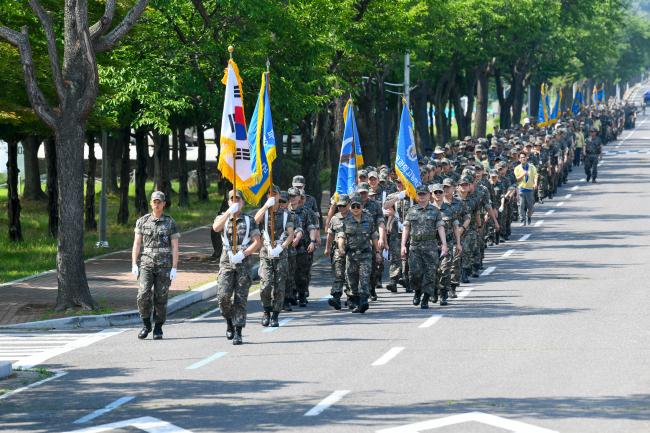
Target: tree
76, 88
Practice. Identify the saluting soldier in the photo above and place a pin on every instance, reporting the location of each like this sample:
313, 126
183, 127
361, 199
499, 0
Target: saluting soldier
235, 265
157, 233
277, 230
422, 222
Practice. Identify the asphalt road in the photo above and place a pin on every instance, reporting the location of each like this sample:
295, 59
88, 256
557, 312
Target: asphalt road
554, 338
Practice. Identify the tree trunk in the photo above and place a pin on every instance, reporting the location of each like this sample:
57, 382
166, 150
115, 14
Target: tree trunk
534, 100
505, 102
174, 167
200, 165
161, 167
518, 93
13, 201
419, 98
142, 153
480, 123
91, 222
183, 196
52, 187
72, 284
112, 155
32, 175
125, 176
314, 135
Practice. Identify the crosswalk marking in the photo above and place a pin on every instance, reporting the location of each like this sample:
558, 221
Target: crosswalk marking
28, 349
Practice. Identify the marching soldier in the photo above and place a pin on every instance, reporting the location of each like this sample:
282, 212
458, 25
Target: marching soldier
277, 230
443, 280
158, 234
593, 149
235, 264
336, 226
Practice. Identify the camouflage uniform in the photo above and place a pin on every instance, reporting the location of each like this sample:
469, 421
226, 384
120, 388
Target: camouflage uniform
305, 221
460, 214
374, 208
443, 281
274, 271
471, 250
593, 148
423, 225
155, 264
398, 269
358, 252
235, 280
336, 226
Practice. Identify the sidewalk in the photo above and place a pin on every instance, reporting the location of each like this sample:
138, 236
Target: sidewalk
111, 283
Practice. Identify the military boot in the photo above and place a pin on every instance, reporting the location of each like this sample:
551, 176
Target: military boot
266, 317
302, 300
425, 301
146, 329
475, 270
444, 295
335, 301
274, 319
287, 305
452, 293
463, 276
237, 339
434, 298
373, 294
392, 287
416, 297
230, 329
157, 331
363, 305
353, 300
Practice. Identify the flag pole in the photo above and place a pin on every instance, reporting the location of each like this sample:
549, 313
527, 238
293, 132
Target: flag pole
267, 85
234, 178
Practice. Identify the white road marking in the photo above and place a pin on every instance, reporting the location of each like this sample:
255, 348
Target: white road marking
324, 298
488, 271
560, 204
281, 323
581, 180
57, 374
117, 403
476, 417
539, 223
148, 424
207, 360
508, 253
568, 196
550, 212
386, 357
575, 188
328, 401
524, 237
431, 321
28, 349
464, 293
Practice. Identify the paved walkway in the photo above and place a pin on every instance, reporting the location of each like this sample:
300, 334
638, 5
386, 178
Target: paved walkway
111, 282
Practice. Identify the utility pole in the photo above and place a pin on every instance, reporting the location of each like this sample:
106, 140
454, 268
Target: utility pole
103, 242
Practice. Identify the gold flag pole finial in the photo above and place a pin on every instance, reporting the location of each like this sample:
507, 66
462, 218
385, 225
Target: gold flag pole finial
231, 49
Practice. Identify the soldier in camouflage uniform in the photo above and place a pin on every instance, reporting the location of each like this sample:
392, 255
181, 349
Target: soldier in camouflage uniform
460, 214
593, 150
157, 233
396, 207
235, 265
422, 223
470, 237
443, 277
290, 285
337, 257
274, 262
310, 201
357, 241
304, 244
375, 210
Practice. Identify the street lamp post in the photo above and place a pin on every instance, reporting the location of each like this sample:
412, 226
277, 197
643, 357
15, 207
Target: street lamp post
103, 242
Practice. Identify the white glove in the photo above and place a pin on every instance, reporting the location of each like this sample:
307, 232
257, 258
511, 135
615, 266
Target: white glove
275, 252
401, 195
385, 254
385, 212
400, 226
172, 273
135, 271
237, 258
233, 208
501, 209
269, 202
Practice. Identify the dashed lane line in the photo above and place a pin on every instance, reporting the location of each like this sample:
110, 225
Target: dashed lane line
550, 212
560, 204
117, 403
507, 253
430, 321
386, 357
328, 401
206, 361
524, 237
539, 223
488, 271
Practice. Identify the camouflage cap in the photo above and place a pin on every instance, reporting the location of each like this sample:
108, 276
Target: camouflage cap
284, 196
493, 173
298, 180
466, 179
356, 198
422, 189
436, 187
444, 161
293, 192
343, 200
383, 176
438, 151
158, 195
448, 181
373, 174
363, 187
362, 173
275, 189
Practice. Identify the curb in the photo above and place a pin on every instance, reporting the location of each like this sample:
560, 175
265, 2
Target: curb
177, 303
